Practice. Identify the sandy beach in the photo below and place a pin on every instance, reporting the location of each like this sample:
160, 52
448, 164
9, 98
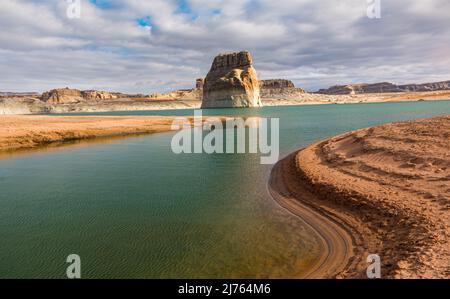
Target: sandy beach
29, 132
382, 190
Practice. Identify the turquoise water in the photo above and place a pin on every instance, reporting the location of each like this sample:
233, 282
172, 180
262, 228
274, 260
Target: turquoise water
132, 209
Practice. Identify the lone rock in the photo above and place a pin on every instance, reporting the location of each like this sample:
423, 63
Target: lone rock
231, 82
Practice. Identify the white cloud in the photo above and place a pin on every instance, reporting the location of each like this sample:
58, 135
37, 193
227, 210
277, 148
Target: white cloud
316, 43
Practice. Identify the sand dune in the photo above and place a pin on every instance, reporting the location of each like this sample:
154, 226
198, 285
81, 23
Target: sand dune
389, 186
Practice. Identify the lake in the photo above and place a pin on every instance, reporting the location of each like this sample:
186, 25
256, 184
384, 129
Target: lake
130, 208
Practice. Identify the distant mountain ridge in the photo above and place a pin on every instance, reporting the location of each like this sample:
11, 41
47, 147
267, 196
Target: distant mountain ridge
384, 87
18, 94
269, 89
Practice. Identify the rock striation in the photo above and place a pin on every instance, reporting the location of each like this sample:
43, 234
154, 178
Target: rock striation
384, 87
68, 96
279, 89
62, 96
199, 83
361, 88
434, 86
276, 84
232, 82
98, 95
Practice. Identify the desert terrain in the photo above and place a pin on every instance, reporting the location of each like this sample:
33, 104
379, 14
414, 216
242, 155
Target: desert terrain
383, 190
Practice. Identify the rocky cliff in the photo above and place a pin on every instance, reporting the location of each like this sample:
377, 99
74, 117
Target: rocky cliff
98, 95
199, 84
62, 96
178, 95
231, 82
385, 87
279, 89
361, 88
67, 96
444, 85
276, 84
22, 105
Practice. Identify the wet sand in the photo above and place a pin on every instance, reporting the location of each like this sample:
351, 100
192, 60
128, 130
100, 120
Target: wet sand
388, 190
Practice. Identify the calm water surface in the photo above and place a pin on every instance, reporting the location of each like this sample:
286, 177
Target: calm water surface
133, 209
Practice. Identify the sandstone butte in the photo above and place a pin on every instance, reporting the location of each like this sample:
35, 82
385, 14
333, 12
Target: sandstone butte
232, 82
67, 95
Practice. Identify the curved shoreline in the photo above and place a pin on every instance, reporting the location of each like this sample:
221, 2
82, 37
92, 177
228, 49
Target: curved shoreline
336, 241
378, 190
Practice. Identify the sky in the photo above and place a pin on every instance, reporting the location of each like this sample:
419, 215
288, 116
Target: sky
146, 46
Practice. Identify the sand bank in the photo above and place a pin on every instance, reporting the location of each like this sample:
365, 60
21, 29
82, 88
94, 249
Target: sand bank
388, 190
28, 132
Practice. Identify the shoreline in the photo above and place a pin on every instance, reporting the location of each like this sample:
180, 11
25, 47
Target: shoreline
33, 106
336, 240
30, 132
385, 186
380, 190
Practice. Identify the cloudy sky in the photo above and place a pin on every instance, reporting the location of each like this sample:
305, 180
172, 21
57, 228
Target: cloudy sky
144, 46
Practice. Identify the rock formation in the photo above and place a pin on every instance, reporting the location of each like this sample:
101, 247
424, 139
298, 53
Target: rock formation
276, 84
98, 95
231, 82
385, 87
444, 85
338, 89
180, 95
199, 88
199, 83
67, 96
62, 96
279, 89
22, 105
361, 88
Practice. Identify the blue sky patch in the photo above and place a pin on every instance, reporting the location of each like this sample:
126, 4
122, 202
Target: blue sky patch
102, 4
145, 22
183, 7
216, 11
